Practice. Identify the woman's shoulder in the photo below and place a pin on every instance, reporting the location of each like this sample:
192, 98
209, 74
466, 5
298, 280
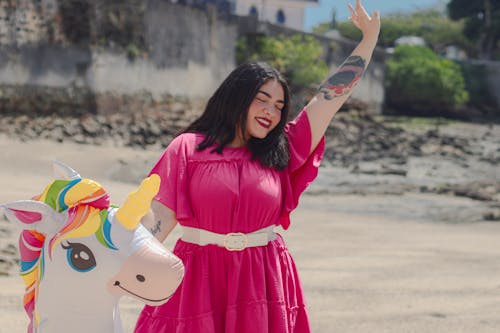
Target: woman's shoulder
186, 140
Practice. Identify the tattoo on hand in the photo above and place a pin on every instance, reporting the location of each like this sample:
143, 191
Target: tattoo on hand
156, 228
344, 79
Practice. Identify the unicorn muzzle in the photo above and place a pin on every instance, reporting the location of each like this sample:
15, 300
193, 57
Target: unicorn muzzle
151, 274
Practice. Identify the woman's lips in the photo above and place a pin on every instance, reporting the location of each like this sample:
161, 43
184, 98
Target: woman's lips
264, 122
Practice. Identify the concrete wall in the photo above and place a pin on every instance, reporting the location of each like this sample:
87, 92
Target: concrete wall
44, 65
186, 52
493, 70
27, 21
189, 52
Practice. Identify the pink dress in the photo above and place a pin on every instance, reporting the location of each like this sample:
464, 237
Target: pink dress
254, 290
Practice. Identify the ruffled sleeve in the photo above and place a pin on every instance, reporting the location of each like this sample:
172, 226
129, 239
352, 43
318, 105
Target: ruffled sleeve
303, 167
173, 171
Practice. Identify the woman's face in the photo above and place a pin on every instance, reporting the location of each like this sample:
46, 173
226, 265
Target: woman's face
264, 113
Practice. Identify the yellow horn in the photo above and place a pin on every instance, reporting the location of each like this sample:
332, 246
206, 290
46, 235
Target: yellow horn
138, 202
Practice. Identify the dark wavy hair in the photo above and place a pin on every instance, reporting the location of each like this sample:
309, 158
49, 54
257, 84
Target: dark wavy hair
227, 109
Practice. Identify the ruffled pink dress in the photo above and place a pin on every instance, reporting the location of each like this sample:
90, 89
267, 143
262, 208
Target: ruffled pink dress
254, 290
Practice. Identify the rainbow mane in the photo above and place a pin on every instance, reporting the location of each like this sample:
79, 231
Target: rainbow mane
86, 203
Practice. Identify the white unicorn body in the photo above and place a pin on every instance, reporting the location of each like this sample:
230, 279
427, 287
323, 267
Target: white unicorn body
79, 259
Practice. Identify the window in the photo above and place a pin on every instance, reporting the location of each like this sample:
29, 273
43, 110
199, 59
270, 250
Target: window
280, 17
253, 11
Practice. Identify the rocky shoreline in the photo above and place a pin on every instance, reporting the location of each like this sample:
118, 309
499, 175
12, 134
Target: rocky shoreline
451, 158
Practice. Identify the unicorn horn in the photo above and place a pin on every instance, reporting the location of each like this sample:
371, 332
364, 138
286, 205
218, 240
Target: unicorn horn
62, 171
138, 202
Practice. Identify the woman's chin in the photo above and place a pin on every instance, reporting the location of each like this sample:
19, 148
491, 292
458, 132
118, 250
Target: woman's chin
259, 135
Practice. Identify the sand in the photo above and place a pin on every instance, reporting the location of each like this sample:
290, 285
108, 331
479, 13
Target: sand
362, 269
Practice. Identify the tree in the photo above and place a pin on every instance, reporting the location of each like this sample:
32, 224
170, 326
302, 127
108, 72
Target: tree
482, 23
299, 57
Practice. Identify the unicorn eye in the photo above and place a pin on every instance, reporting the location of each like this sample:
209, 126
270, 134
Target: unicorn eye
80, 257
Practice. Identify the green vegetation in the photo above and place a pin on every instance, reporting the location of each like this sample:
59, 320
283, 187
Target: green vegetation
299, 57
419, 81
472, 25
436, 29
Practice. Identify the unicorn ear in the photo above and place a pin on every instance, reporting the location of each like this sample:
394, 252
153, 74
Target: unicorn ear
33, 215
62, 171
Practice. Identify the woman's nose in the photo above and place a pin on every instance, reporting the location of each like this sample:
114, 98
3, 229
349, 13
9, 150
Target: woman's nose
270, 110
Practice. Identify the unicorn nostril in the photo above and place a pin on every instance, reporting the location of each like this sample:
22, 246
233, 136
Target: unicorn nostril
117, 283
140, 278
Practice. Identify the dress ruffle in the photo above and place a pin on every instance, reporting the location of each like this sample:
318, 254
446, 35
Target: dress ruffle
256, 290
303, 167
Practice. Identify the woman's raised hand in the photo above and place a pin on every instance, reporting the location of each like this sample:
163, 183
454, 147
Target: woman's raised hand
369, 26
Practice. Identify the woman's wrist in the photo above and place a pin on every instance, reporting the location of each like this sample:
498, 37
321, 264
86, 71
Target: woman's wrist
370, 39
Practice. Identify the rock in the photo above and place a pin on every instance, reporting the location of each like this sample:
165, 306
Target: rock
79, 138
492, 216
10, 249
430, 148
58, 122
57, 134
90, 126
177, 107
154, 128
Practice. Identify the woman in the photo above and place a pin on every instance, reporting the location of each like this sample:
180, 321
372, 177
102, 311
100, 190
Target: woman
228, 180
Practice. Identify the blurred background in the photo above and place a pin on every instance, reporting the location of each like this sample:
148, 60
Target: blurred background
133, 73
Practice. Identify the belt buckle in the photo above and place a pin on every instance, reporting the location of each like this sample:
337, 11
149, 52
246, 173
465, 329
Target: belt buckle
235, 241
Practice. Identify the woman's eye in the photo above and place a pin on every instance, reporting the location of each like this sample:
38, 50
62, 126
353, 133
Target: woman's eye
79, 257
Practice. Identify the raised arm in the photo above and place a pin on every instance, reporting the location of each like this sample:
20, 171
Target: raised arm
337, 88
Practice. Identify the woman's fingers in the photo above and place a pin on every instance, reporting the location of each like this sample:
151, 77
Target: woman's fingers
353, 12
360, 13
362, 20
360, 10
354, 17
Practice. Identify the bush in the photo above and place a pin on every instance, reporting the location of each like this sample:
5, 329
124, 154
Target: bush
298, 57
418, 80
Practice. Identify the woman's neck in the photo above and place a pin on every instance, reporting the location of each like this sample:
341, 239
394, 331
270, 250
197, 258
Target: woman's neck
237, 142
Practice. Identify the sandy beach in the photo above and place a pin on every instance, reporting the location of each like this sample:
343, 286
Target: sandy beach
368, 263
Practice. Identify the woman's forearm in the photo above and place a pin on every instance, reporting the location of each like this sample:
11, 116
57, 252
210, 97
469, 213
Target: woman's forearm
337, 88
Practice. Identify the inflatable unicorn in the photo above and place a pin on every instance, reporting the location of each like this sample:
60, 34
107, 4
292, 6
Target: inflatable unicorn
79, 255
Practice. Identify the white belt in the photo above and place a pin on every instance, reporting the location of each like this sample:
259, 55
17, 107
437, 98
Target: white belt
233, 241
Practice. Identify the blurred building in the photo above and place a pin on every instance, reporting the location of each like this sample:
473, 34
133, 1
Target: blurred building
410, 40
289, 13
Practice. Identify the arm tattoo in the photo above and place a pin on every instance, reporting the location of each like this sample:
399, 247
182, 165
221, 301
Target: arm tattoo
156, 229
344, 79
